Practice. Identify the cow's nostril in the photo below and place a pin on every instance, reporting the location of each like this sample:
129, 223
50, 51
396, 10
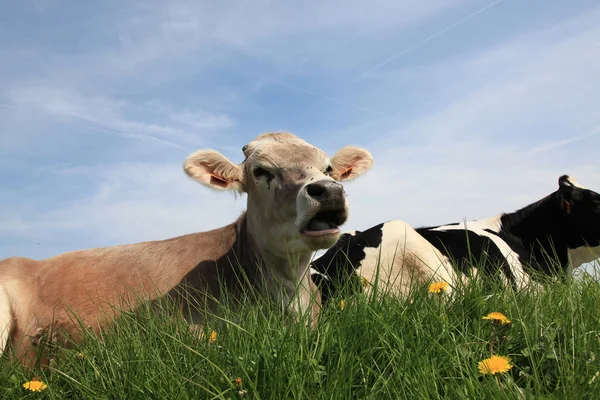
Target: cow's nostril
316, 190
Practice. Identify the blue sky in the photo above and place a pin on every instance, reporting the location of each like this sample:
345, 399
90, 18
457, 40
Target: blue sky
469, 107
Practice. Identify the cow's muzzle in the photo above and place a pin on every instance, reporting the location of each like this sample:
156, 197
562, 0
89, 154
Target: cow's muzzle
330, 210
326, 191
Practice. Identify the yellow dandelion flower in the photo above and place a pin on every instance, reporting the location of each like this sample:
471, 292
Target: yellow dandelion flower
80, 355
365, 282
438, 287
35, 385
342, 305
211, 338
498, 317
494, 365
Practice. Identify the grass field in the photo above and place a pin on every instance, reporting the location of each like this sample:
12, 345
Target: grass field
392, 349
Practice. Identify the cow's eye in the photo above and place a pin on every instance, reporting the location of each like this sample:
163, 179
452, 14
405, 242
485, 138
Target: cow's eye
259, 172
328, 170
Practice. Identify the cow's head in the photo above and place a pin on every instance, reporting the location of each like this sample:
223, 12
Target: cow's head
581, 208
295, 200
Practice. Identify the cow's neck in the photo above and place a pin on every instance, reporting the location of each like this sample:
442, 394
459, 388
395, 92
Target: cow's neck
537, 227
284, 276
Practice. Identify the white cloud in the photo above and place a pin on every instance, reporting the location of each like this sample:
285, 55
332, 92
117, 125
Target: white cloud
149, 43
551, 145
202, 120
110, 115
249, 25
194, 118
505, 93
430, 38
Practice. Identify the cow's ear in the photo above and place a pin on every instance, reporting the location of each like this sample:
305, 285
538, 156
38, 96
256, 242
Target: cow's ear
567, 182
566, 202
350, 162
214, 170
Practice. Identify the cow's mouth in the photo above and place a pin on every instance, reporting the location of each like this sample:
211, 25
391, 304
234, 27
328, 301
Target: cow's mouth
325, 223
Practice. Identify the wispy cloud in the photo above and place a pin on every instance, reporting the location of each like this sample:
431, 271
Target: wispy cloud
110, 116
429, 38
560, 143
202, 120
508, 92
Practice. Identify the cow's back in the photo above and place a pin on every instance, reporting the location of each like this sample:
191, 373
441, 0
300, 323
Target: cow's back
403, 259
471, 252
392, 253
93, 285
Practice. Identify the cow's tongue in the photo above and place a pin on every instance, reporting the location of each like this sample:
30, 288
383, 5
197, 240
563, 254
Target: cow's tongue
316, 225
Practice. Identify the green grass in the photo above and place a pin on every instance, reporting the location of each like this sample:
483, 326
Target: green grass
417, 348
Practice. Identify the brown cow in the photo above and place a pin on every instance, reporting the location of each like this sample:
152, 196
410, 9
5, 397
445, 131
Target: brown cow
294, 208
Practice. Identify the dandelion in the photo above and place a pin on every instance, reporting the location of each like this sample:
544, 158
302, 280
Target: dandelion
80, 355
238, 381
494, 365
438, 287
498, 317
364, 281
342, 305
35, 385
211, 338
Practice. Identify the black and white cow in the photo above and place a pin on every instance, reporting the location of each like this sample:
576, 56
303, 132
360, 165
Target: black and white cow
392, 253
551, 236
